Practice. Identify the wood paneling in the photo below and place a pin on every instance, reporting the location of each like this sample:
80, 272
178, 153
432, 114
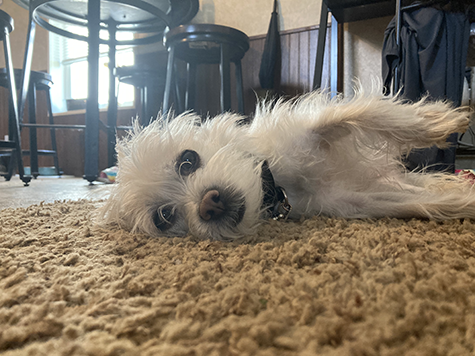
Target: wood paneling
70, 142
298, 51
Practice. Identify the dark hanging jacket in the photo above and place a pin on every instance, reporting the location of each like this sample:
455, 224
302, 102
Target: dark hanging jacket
432, 60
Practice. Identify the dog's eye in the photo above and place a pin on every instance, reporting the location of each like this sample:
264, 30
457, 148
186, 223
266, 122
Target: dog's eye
163, 218
188, 162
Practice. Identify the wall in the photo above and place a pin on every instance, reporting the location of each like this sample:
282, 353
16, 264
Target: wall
18, 39
362, 40
252, 17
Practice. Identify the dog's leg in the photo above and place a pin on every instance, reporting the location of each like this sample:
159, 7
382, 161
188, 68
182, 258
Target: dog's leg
404, 125
434, 196
360, 142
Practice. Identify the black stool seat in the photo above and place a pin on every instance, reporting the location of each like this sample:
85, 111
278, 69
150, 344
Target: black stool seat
206, 44
6, 22
41, 79
200, 42
143, 79
38, 81
136, 76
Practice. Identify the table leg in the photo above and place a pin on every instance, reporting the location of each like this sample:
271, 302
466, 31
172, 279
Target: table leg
91, 165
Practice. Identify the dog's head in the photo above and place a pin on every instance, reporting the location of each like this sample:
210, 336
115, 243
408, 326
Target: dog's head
183, 176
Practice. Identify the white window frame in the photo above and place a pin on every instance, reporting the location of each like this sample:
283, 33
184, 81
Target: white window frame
60, 69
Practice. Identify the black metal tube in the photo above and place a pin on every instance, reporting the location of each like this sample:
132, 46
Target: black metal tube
398, 42
91, 164
112, 107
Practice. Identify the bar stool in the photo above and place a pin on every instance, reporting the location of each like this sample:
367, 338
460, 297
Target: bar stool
206, 44
144, 80
13, 144
39, 81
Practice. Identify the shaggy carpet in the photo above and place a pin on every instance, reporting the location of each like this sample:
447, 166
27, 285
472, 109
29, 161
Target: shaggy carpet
316, 287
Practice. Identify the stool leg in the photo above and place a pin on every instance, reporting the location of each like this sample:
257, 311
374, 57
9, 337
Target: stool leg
168, 82
112, 107
239, 87
11, 166
334, 58
32, 131
180, 107
54, 147
224, 67
13, 102
25, 82
142, 119
145, 105
322, 33
11, 134
190, 86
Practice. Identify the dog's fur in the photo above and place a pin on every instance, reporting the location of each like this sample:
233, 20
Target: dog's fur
332, 157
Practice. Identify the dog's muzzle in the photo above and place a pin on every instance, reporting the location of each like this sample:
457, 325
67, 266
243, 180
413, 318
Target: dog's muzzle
222, 206
275, 199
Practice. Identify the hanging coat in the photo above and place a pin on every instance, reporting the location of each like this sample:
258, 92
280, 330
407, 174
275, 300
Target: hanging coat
432, 60
270, 60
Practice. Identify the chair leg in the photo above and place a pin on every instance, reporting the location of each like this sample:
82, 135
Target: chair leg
11, 134
190, 86
225, 68
25, 82
13, 102
180, 106
34, 171
169, 80
145, 111
11, 165
112, 107
239, 87
322, 33
12, 160
54, 146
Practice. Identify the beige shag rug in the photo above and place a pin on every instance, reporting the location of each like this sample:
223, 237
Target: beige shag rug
317, 287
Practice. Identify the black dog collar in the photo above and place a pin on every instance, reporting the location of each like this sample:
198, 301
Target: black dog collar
275, 200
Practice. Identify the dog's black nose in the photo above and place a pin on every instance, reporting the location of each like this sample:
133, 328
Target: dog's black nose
211, 206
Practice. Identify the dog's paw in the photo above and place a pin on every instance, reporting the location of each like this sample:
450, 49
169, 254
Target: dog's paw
441, 120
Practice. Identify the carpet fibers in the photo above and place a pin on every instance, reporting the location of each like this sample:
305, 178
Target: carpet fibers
317, 287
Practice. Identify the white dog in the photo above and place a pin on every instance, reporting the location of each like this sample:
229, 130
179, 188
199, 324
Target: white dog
309, 156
